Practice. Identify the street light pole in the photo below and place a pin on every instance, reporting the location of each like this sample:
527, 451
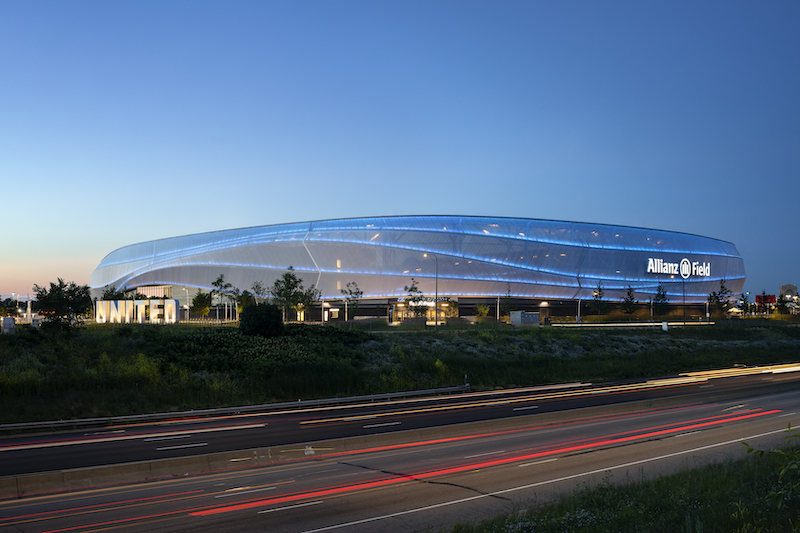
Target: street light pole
683, 283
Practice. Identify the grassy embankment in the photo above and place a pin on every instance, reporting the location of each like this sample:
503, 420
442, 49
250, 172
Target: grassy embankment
743, 496
141, 369
128, 370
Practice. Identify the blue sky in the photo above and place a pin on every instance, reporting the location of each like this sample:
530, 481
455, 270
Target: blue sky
122, 122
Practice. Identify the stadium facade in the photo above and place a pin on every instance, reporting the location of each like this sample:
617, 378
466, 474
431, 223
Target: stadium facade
465, 258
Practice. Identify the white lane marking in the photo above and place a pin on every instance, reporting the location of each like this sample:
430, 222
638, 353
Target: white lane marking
125, 437
240, 491
290, 507
167, 438
685, 434
382, 425
526, 408
181, 446
539, 462
733, 407
766, 379
706, 386
547, 482
787, 414
483, 454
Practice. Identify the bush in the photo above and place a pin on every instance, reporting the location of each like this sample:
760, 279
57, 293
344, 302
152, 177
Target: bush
264, 320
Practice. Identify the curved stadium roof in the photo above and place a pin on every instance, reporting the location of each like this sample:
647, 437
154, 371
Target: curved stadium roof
475, 256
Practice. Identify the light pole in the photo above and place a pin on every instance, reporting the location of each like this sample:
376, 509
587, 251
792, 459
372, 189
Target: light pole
683, 284
436, 289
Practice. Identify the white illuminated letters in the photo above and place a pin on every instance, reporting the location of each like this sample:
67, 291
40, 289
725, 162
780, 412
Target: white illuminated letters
141, 311
684, 269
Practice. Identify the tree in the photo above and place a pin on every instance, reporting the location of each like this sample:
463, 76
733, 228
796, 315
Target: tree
482, 309
744, 303
763, 305
449, 306
630, 303
110, 292
721, 300
351, 297
288, 292
306, 298
225, 290
221, 287
201, 303
245, 299
660, 301
259, 291
264, 320
416, 299
64, 304
597, 302
505, 302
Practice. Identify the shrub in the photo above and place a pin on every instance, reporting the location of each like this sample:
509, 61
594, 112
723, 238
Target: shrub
264, 320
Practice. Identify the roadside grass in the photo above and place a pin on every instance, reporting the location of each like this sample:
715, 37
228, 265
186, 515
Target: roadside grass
109, 371
746, 495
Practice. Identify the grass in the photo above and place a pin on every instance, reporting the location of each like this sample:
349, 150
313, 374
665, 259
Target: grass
747, 495
139, 369
120, 370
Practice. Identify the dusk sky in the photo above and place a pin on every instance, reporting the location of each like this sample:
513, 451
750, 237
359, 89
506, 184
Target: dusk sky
123, 122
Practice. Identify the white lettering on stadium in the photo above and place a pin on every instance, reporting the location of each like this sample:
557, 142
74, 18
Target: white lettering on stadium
128, 311
685, 268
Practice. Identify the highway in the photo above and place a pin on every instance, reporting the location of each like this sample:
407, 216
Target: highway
188, 437
424, 484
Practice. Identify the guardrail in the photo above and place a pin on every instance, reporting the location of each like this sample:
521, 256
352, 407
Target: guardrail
222, 411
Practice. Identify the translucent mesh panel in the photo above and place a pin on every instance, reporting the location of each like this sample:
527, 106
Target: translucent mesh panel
475, 256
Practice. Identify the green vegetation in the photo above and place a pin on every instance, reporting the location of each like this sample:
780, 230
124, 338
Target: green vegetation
755, 494
64, 304
118, 370
264, 320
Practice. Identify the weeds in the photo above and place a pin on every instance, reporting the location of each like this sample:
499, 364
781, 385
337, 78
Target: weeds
135, 369
734, 496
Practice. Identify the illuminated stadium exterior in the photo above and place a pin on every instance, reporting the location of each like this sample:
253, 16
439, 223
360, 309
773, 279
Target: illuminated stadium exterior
467, 257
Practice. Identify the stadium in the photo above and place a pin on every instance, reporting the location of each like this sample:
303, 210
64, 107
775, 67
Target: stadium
545, 265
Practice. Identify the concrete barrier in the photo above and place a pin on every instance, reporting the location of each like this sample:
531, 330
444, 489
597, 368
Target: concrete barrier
28, 484
8, 488
229, 460
179, 466
99, 476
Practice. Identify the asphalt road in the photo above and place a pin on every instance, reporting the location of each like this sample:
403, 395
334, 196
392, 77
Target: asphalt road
186, 437
426, 485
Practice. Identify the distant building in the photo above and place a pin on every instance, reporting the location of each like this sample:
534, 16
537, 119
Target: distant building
788, 293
